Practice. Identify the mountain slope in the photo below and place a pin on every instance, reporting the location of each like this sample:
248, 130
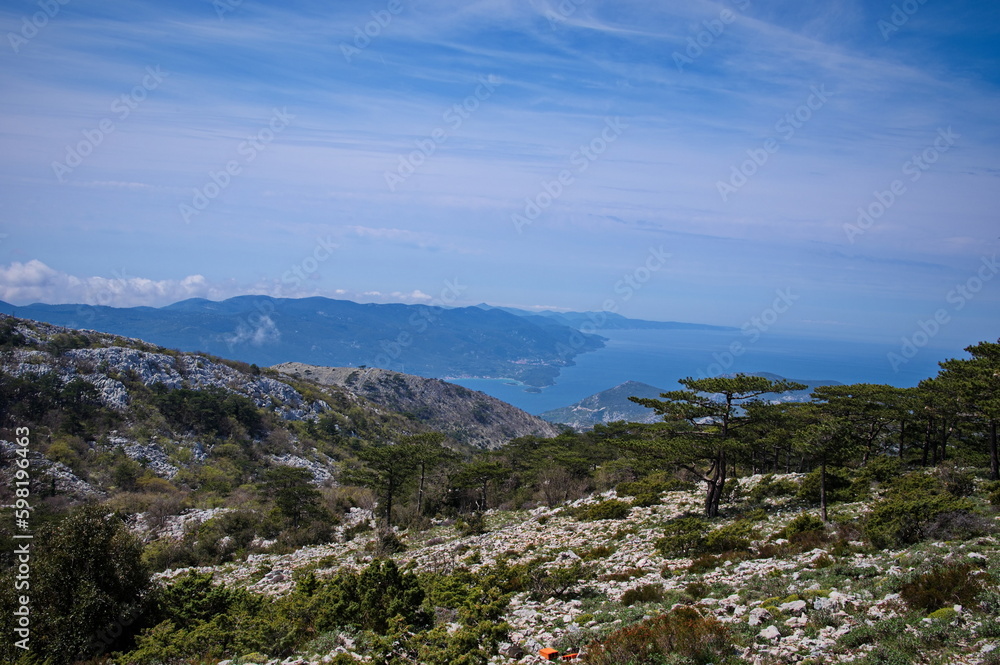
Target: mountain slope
419, 339
468, 416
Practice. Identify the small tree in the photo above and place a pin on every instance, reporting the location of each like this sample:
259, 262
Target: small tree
292, 492
701, 422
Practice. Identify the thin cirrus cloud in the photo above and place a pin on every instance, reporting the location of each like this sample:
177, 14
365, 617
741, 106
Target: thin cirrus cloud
693, 115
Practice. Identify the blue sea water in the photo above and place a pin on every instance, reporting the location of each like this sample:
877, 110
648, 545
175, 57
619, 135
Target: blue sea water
661, 357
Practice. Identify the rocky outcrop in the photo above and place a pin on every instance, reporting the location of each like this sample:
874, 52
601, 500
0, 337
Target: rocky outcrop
468, 416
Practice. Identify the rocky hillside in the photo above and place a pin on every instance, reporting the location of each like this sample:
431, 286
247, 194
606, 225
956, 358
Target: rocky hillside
780, 586
468, 416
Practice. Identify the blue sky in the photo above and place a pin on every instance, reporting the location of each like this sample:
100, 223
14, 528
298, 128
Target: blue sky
535, 154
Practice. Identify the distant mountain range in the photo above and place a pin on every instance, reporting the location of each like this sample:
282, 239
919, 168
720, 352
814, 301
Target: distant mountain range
613, 404
601, 320
467, 342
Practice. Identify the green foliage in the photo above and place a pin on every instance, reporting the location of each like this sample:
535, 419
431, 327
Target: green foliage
908, 508
681, 633
212, 411
473, 524
648, 593
370, 600
944, 586
611, 509
557, 581
771, 488
838, 486
87, 580
682, 536
804, 523
881, 469
292, 492
735, 536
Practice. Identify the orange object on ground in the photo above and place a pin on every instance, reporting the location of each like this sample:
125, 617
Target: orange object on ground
571, 656
548, 654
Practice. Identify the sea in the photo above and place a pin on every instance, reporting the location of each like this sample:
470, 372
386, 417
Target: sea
661, 357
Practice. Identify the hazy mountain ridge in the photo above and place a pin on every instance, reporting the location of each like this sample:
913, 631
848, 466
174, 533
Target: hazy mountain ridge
417, 339
598, 321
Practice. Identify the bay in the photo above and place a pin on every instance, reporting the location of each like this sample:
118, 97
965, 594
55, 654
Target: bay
661, 357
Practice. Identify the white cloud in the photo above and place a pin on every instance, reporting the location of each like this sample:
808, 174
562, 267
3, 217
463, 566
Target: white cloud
34, 281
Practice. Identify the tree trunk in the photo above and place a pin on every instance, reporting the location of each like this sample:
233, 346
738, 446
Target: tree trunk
927, 442
994, 459
822, 490
902, 437
715, 486
420, 491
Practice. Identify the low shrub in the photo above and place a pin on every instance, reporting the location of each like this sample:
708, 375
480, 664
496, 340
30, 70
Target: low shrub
683, 634
612, 509
945, 586
804, 523
647, 593
769, 488
907, 510
682, 536
735, 536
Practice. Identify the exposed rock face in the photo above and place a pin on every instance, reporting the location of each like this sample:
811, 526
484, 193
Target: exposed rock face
468, 416
118, 357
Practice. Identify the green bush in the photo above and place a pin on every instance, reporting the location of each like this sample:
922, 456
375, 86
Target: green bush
647, 593
370, 600
735, 536
769, 488
804, 523
909, 507
87, 581
881, 469
682, 536
612, 509
838, 486
945, 586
